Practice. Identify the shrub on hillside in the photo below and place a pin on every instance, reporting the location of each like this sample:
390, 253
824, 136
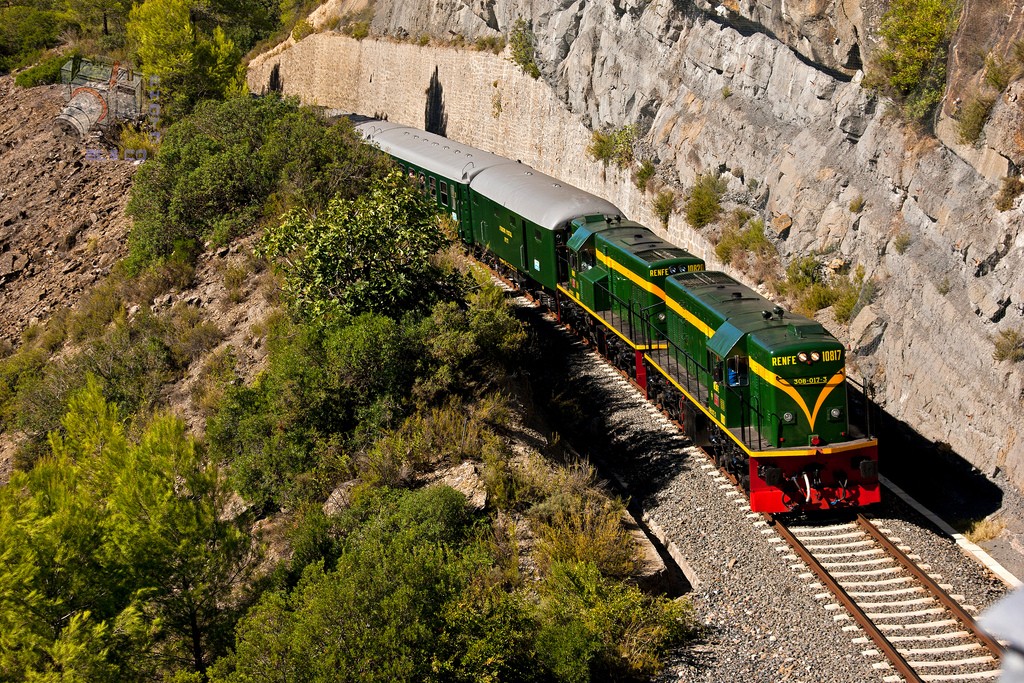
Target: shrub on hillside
371, 253
1009, 345
1012, 188
745, 245
593, 628
232, 165
643, 175
522, 43
704, 201
912, 65
613, 146
972, 118
25, 32
45, 72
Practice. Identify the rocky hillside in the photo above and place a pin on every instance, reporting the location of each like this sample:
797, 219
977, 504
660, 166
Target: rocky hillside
62, 222
774, 96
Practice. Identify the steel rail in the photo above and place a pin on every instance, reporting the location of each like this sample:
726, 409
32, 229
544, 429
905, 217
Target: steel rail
886, 647
937, 592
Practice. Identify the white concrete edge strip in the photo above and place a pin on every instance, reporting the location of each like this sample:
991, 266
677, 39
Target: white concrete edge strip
663, 538
673, 552
966, 546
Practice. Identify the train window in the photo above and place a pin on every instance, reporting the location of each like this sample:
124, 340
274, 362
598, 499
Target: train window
538, 235
433, 188
423, 184
737, 374
444, 193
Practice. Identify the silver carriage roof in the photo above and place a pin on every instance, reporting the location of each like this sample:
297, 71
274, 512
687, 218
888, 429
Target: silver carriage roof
432, 152
537, 197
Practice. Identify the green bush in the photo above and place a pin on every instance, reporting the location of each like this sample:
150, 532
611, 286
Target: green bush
853, 294
409, 599
358, 29
45, 72
493, 44
134, 357
643, 175
233, 165
973, 117
596, 629
704, 201
120, 563
25, 32
743, 238
664, 205
573, 528
614, 146
806, 281
303, 29
804, 272
288, 436
371, 253
912, 65
857, 204
998, 73
523, 42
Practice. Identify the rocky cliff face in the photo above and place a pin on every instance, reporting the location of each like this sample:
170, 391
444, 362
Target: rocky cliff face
770, 92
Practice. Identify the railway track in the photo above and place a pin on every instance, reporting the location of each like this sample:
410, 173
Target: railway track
908, 620
907, 617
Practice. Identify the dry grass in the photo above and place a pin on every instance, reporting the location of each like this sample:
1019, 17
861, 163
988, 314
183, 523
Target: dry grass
575, 529
983, 530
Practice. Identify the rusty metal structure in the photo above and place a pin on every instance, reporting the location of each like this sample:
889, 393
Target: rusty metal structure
98, 93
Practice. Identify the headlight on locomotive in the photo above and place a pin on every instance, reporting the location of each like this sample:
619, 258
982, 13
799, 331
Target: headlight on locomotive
835, 414
815, 356
788, 418
802, 356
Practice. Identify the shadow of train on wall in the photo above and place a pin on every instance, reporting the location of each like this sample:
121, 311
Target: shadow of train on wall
435, 119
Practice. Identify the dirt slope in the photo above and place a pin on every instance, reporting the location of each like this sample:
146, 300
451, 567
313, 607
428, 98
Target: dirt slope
62, 222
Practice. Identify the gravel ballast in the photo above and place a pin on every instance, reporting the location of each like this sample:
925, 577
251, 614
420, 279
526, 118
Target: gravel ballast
761, 620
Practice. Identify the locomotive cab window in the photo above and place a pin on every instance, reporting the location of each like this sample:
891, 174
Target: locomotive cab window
587, 258
538, 236
444, 193
737, 371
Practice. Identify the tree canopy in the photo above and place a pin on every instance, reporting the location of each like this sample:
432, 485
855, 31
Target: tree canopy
231, 165
118, 561
371, 253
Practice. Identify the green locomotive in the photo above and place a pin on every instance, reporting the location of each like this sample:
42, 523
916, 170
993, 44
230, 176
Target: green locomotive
616, 282
772, 387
